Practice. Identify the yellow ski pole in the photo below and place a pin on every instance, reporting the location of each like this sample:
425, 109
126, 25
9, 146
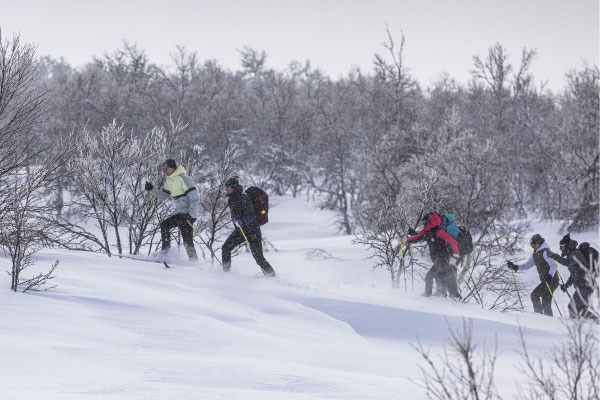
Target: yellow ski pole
243, 234
153, 201
401, 252
193, 227
551, 294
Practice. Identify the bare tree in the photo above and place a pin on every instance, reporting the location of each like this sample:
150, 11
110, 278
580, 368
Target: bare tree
21, 103
23, 172
383, 238
570, 370
460, 373
579, 169
113, 165
214, 215
24, 228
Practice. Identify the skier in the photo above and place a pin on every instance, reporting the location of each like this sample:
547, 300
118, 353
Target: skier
246, 229
181, 189
541, 296
575, 261
443, 250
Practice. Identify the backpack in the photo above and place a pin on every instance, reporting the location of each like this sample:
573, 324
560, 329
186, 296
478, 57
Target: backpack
459, 233
464, 241
260, 202
591, 255
449, 226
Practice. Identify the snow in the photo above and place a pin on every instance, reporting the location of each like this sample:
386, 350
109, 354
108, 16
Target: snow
329, 327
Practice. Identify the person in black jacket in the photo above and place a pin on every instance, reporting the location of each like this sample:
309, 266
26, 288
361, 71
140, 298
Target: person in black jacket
575, 261
246, 227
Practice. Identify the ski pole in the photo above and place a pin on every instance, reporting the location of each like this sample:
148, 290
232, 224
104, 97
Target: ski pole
193, 227
153, 201
517, 287
243, 234
563, 282
552, 295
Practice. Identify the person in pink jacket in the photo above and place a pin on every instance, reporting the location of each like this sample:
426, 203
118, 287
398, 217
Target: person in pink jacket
443, 250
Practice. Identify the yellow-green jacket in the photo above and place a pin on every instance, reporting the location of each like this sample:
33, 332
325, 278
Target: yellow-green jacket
181, 188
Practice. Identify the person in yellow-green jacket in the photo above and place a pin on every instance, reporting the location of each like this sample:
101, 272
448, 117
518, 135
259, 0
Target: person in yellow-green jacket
182, 190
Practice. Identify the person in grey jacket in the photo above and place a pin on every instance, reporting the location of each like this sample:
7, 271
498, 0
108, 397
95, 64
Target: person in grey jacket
541, 296
181, 189
579, 277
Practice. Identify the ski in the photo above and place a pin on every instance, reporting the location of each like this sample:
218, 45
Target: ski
144, 259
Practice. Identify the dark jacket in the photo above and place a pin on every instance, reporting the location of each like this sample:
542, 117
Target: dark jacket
575, 261
242, 209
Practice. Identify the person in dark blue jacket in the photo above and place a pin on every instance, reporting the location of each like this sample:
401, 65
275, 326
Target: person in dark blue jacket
575, 261
246, 227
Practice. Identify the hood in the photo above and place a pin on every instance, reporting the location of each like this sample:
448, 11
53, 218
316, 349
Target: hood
542, 246
178, 171
434, 220
448, 219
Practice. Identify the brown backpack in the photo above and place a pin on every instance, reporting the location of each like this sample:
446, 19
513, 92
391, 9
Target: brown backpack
260, 201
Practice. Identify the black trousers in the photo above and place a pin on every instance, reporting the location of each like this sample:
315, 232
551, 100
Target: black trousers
541, 296
579, 304
235, 239
445, 279
181, 221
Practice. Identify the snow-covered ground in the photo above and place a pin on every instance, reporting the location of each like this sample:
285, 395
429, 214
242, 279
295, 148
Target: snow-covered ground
329, 327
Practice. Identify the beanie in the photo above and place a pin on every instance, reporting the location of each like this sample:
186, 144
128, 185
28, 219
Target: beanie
170, 163
232, 182
536, 239
565, 240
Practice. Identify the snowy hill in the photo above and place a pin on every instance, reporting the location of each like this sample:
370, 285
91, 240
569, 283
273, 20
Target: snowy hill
329, 327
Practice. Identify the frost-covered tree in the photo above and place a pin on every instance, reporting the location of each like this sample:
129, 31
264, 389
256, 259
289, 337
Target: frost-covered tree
214, 214
109, 207
577, 150
27, 167
22, 101
335, 177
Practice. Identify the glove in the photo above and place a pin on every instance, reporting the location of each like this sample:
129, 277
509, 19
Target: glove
189, 218
239, 222
564, 287
148, 186
512, 266
411, 231
553, 256
548, 279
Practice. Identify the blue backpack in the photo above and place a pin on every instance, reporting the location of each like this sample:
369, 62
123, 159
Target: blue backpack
459, 233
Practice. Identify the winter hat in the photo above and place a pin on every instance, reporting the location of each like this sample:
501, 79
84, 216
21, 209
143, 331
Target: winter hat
232, 182
565, 240
433, 219
170, 163
536, 239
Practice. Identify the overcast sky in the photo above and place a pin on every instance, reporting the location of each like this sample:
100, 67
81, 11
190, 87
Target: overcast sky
440, 35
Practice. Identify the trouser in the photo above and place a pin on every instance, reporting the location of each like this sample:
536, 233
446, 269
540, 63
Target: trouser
235, 239
578, 306
183, 222
541, 296
430, 276
445, 279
